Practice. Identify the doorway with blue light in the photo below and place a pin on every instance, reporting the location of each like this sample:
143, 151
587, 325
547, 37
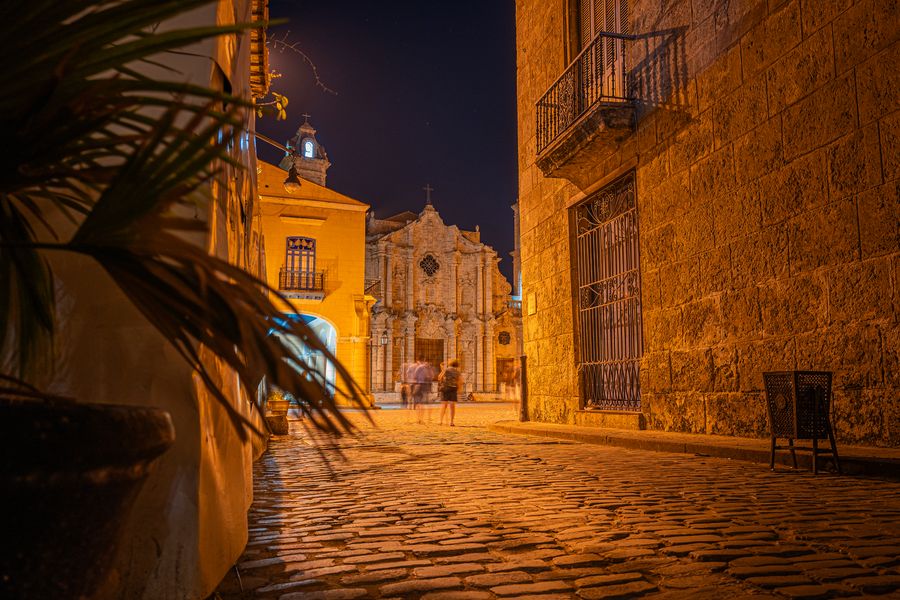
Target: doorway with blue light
314, 359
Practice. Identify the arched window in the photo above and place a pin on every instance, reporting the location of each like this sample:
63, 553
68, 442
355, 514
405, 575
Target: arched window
309, 149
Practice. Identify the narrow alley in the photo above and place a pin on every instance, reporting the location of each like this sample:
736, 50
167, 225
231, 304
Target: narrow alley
405, 510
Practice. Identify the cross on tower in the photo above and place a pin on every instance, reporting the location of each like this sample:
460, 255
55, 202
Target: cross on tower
306, 116
428, 189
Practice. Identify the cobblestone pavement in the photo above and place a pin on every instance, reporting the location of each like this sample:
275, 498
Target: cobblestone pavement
423, 511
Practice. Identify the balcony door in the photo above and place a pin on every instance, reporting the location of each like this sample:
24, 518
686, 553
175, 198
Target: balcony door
607, 57
300, 262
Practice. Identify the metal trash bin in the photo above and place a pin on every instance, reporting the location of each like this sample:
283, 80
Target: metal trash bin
799, 407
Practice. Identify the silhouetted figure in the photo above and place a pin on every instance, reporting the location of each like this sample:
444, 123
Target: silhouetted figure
448, 383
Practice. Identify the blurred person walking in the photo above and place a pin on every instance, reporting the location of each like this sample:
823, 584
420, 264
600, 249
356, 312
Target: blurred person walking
422, 378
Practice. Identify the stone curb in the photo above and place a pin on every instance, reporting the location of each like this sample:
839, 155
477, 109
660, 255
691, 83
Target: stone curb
856, 461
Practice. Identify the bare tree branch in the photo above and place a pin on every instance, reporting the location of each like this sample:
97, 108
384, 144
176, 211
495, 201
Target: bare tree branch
283, 43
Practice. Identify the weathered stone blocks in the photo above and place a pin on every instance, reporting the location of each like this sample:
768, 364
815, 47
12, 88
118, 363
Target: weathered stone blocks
863, 30
824, 237
853, 354
760, 256
736, 414
802, 70
799, 186
860, 292
678, 411
692, 370
740, 313
823, 116
771, 38
878, 84
755, 358
790, 306
702, 322
890, 145
854, 162
759, 152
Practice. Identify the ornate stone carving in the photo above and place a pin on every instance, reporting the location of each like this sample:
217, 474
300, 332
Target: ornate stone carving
430, 323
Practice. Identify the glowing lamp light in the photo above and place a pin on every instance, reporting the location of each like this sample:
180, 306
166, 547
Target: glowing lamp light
384, 338
292, 183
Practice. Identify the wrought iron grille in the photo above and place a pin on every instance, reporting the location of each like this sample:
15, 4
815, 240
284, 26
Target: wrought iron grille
309, 281
597, 74
608, 284
430, 265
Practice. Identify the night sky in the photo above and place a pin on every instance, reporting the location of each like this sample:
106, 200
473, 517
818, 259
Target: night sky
425, 95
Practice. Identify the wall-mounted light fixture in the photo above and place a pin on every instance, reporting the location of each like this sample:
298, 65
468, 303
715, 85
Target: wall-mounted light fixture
292, 183
384, 338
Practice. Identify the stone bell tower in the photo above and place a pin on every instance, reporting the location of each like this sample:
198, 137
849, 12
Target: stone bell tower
307, 154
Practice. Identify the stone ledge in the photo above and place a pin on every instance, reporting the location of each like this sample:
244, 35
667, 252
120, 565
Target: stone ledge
632, 421
855, 460
594, 136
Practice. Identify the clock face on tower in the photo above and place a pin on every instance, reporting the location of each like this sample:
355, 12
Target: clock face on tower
309, 149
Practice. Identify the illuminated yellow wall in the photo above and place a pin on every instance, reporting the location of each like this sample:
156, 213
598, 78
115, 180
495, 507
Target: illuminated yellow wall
338, 225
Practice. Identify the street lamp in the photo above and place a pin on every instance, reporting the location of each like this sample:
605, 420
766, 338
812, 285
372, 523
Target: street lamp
384, 338
292, 183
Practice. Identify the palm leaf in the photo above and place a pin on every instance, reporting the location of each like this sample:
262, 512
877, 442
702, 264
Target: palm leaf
125, 156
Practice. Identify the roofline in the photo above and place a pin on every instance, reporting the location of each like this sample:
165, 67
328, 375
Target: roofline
288, 200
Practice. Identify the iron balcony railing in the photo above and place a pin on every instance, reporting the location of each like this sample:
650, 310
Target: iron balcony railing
306, 281
373, 287
597, 75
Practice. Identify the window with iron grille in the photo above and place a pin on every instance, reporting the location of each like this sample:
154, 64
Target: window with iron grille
606, 278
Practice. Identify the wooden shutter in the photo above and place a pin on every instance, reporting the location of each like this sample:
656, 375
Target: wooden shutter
585, 23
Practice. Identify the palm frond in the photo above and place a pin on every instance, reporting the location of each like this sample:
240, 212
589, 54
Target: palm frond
125, 156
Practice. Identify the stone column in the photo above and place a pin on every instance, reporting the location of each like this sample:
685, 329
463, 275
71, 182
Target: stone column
453, 284
479, 285
410, 272
489, 381
410, 334
387, 366
450, 335
489, 284
387, 281
478, 379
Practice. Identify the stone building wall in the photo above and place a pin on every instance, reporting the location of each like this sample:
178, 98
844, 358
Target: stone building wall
766, 160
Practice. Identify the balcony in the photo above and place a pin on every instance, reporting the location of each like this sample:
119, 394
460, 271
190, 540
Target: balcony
588, 110
515, 307
304, 285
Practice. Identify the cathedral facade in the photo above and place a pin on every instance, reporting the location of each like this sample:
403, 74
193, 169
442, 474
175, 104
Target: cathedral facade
439, 295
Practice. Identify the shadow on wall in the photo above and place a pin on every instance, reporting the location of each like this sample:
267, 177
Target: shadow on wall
659, 78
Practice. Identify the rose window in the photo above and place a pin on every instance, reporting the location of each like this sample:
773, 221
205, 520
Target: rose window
430, 265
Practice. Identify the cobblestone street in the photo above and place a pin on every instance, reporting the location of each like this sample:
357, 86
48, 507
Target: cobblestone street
425, 511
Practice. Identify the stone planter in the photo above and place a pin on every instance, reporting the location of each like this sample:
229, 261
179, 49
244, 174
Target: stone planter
277, 406
69, 475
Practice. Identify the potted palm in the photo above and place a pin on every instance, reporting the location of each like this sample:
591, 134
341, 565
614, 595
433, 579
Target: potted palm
111, 165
